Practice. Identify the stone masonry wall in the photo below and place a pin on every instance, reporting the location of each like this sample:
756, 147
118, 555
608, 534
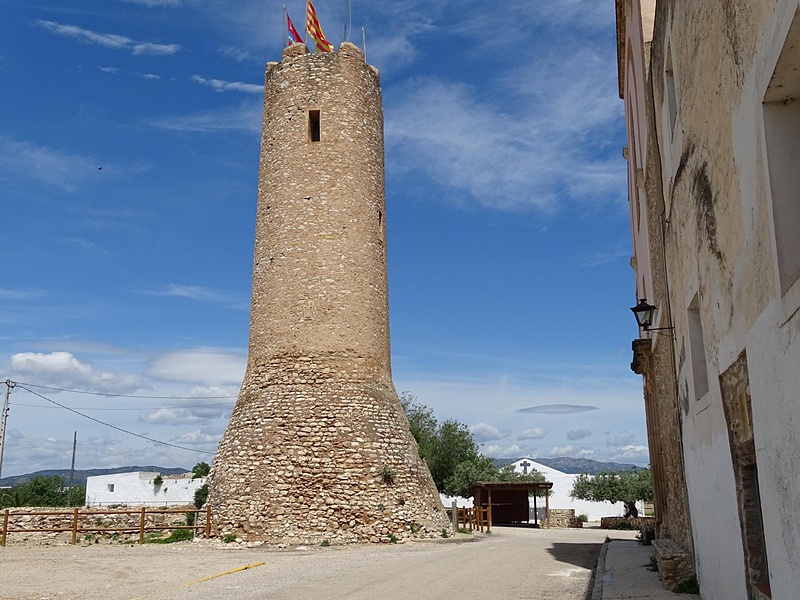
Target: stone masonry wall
562, 517
318, 447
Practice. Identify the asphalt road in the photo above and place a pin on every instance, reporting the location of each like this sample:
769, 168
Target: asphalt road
511, 563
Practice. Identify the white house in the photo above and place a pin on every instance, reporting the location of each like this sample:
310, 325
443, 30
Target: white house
559, 495
140, 487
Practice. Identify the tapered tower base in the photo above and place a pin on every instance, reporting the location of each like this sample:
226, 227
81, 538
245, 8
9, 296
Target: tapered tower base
311, 462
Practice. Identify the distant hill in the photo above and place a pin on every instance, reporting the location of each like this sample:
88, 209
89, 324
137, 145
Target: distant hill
565, 464
79, 477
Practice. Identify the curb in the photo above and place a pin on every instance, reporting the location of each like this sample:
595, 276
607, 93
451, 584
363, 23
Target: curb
597, 590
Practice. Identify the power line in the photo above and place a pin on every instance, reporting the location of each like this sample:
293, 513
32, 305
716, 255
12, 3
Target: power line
139, 409
55, 389
22, 386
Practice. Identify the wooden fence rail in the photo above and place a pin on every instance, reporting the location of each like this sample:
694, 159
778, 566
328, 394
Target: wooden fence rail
76, 528
474, 519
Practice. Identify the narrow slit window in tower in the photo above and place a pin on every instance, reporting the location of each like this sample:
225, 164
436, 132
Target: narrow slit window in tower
313, 125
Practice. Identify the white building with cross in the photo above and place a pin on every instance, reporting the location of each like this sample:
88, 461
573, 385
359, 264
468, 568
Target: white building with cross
559, 495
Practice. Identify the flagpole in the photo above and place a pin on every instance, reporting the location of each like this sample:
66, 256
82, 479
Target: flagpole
364, 43
285, 31
347, 20
305, 37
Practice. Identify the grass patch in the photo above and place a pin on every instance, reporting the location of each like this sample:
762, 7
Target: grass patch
177, 535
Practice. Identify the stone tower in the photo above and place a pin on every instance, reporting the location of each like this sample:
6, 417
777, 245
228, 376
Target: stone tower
318, 446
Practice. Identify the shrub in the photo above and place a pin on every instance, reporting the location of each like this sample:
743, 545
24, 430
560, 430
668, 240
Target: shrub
158, 480
388, 476
231, 537
177, 535
392, 538
201, 469
583, 517
689, 586
200, 496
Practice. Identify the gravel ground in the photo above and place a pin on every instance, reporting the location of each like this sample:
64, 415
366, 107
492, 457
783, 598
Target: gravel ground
510, 563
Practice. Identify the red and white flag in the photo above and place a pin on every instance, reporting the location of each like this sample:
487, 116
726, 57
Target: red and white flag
294, 37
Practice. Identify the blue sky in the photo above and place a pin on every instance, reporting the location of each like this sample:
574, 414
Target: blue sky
129, 140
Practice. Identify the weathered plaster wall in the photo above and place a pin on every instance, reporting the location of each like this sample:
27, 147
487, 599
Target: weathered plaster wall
318, 446
720, 250
655, 360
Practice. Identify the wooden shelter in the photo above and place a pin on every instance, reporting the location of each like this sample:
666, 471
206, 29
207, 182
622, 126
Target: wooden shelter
507, 502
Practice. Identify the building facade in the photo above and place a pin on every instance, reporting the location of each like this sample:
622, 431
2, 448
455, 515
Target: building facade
142, 488
715, 171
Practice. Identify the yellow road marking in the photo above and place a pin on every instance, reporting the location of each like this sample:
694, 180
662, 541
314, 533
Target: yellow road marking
236, 570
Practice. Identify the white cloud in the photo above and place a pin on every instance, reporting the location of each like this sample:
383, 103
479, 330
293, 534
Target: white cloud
585, 452
62, 369
532, 144
20, 294
236, 54
631, 452
560, 451
109, 40
605, 258
169, 416
29, 161
557, 409
204, 294
483, 432
534, 433
245, 117
209, 366
620, 439
578, 434
157, 3
202, 405
218, 85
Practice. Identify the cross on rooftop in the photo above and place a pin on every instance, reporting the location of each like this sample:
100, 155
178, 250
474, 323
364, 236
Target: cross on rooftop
525, 464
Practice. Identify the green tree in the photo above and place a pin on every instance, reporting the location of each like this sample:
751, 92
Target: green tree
41, 491
201, 469
627, 487
460, 481
443, 446
452, 456
200, 496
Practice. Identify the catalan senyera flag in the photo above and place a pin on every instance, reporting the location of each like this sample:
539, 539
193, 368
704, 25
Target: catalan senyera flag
315, 31
293, 35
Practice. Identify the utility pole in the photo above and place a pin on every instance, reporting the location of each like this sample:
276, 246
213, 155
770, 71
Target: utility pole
72, 469
3, 418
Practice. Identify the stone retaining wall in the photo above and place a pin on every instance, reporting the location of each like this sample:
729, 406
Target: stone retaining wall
91, 524
631, 522
675, 564
562, 517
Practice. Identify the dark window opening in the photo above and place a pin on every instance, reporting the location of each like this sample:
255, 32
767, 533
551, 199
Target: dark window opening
313, 125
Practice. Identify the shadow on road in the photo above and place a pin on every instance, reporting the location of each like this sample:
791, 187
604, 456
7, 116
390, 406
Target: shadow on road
581, 555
